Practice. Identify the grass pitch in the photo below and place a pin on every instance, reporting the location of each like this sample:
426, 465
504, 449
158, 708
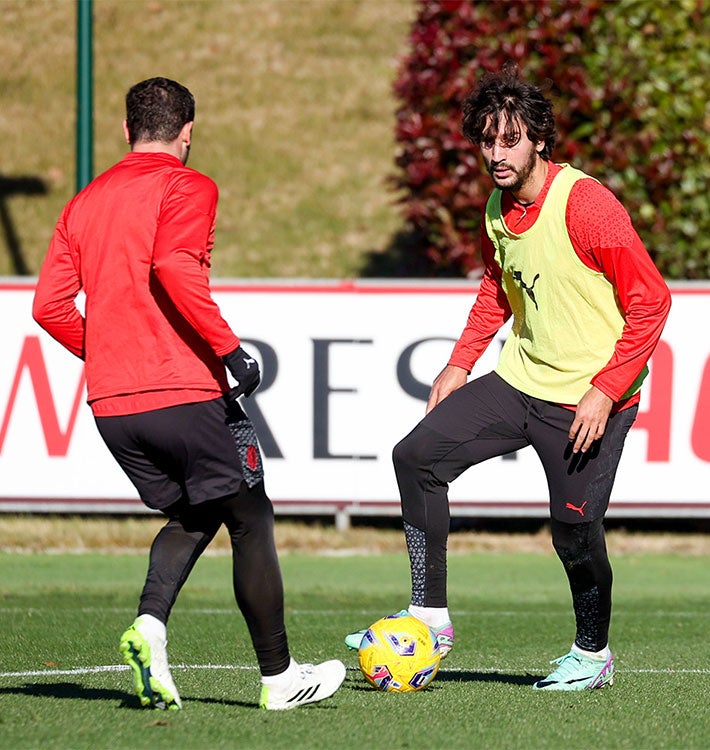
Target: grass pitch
295, 119
62, 684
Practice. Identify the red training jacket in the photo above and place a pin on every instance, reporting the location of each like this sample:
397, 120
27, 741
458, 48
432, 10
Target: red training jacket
137, 240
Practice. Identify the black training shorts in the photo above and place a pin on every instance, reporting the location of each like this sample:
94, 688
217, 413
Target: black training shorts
195, 452
487, 417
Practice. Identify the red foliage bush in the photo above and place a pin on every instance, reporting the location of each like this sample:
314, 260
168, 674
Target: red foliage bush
444, 187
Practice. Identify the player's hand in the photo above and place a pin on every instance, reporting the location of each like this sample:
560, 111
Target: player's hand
447, 381
590, 419
245, 370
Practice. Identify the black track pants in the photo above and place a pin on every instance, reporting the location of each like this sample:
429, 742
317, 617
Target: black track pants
258, 586
582, 549
484, 419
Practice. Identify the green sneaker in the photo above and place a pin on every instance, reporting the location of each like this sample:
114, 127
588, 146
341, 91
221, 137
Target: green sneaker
353, 640
576, 671
444, 636
146, 656
445, 639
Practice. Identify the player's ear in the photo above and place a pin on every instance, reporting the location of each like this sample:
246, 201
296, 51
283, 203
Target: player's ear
186, 133
126, 134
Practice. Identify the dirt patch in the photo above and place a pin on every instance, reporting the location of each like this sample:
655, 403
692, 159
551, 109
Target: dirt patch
55, 534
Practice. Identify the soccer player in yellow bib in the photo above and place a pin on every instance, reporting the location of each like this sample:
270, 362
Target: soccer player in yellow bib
588, 307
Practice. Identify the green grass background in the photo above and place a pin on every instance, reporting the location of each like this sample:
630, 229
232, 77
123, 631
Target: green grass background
294, 119
511, 611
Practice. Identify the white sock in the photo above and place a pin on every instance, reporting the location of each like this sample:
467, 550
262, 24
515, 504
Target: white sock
153, 626
434, 617
604, 654
284, 678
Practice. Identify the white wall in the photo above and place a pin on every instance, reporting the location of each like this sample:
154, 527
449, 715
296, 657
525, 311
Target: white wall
346, 368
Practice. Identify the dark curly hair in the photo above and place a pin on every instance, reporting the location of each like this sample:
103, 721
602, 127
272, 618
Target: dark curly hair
506, 96
157, 109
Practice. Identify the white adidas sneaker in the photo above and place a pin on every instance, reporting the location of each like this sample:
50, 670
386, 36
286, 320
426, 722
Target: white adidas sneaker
310, 683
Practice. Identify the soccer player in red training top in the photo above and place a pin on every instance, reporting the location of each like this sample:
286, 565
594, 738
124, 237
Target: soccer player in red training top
588, 308
137, 240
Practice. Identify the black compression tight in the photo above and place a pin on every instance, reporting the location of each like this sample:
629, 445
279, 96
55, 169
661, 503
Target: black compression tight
257, 582
582, 549
425, 512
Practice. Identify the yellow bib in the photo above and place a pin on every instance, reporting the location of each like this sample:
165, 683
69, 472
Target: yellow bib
566, 318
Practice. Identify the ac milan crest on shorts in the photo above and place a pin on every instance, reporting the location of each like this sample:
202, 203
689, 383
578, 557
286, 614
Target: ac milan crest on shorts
244, 436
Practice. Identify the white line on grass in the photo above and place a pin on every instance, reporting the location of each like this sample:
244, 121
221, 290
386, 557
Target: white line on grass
339, 612
117, 668
246, 668
483, 613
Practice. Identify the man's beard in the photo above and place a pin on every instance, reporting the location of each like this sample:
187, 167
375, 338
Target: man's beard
522, 175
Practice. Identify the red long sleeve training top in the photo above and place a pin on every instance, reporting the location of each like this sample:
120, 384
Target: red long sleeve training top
604, 239
137, 240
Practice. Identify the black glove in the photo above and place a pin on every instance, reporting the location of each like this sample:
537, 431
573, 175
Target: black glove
245, 370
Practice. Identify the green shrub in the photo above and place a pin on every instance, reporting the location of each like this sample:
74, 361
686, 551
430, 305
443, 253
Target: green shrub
652, 125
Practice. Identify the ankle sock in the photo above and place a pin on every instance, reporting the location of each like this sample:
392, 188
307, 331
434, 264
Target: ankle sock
604, 654
153, 626
434, 617
281, 679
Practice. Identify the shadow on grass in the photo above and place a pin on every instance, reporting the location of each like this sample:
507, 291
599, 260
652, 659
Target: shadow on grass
221, 702
75, 691
71, 690
403, 257
9, 187
506, 679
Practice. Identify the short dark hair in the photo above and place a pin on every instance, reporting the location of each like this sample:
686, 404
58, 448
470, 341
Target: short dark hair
157, 109
506, 96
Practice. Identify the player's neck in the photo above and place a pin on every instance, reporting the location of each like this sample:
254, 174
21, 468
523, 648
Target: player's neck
531, 188
157, 147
